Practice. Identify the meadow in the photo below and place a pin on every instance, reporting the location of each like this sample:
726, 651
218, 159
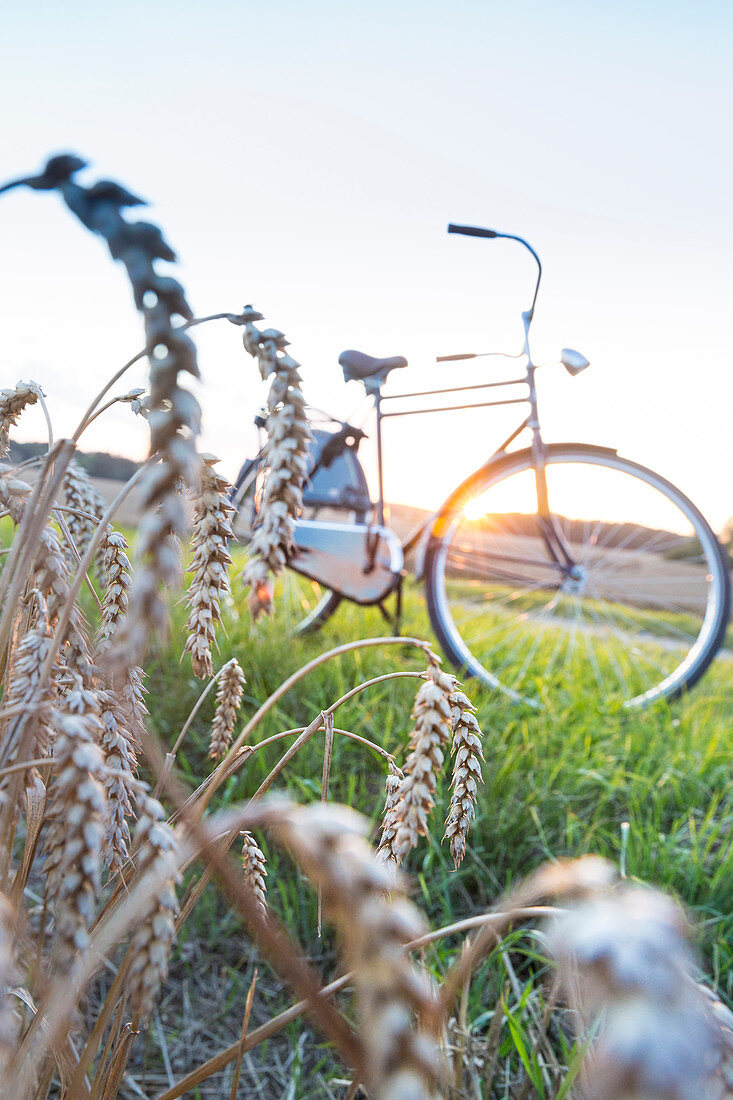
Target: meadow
195, 896
558, 783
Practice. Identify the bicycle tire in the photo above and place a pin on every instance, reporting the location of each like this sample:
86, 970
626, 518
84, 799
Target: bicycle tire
468, 589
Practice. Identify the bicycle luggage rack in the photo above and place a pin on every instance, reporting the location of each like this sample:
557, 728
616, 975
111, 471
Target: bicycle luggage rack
454, 389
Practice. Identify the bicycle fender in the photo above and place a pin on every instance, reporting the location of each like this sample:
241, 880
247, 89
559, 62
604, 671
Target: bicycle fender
421, 551
462, 494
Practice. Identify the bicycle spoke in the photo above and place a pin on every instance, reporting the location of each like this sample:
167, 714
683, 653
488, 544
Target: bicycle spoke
554, 655
646, 625
642, 653
501, 625
683, 635
535, 645
592, 655
490, 604
611, 656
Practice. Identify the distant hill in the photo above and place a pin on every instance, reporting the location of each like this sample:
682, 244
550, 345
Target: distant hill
96, 463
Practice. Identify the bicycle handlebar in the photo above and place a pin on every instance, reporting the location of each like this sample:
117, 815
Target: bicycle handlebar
453, 358
472, 231
476, 231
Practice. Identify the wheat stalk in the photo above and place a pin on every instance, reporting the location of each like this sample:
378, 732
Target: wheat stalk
212, 530
221, 772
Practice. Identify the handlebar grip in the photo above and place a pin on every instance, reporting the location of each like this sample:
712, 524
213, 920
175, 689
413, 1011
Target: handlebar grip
472, 231
453, 358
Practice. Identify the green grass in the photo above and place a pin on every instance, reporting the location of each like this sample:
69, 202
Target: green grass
558, 783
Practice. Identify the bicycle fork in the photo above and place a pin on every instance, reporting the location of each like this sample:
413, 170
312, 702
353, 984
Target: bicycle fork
552, 536
573, 573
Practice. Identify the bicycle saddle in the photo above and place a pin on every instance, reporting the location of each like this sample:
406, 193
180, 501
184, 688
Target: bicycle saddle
359, 367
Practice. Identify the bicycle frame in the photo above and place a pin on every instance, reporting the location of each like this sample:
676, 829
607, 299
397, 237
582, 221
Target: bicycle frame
363, 562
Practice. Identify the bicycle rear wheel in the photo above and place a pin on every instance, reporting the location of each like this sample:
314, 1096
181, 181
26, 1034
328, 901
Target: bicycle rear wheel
640, 619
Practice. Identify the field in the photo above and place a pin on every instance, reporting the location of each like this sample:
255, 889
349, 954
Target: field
582, 775
558, 783
139, 956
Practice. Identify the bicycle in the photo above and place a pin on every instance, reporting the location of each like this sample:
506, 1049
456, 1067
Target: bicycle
547, 561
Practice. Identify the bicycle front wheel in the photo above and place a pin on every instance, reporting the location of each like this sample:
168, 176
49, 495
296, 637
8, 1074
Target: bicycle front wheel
637, 615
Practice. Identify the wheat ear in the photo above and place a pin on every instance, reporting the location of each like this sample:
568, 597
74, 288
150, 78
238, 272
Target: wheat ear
625, 954
9, 1021
75, 823
175, 415
133, 696
13, 493
254, 869
122, 708
286, 456
431, 732
27, 694
228, 698
115, 604
86, 504
52, 577
386, 851
117, 581
12, 403
467, 757
212, 530
366, 899
175, 421
151, 944
119, 749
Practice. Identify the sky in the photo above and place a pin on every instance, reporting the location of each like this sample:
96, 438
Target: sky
307, 157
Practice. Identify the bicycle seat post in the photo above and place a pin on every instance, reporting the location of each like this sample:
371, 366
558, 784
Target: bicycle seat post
372, 373
377, 393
